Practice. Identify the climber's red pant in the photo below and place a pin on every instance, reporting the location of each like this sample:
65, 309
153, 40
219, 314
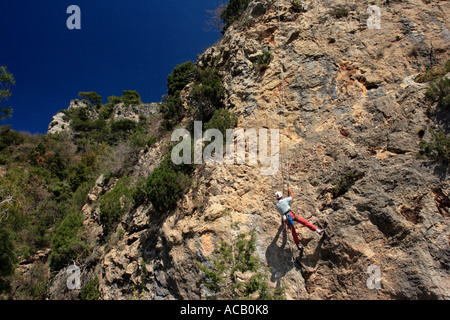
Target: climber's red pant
304, 222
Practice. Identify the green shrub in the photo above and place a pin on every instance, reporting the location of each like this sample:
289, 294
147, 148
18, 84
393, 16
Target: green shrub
222, 120
263, 60
296, 5
439, 91
122, 129
124, 125
7, 259
172, 107
345, 183
92, 97
139, 194
207, 92
131, 98
233, 11
166, 185
91, 290
438, 148
80, 120
83, 171
79, 197
180, 77
434, 73
245, 260
339, 12
114, 203
9, 137
66, 243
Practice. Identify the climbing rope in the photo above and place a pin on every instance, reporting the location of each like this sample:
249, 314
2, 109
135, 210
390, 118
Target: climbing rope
285, 165
282, 120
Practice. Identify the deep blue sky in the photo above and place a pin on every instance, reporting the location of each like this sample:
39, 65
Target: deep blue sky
123, 45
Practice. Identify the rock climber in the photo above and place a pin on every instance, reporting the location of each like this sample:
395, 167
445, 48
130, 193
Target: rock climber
288, 217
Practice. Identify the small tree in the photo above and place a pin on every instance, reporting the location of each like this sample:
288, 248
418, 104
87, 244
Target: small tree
181, 75
6, 81
94, 98
131, 97
233, 11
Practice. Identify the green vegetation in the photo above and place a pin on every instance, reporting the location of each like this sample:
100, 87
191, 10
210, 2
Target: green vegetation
114, 203
439, 87
45, 183
340, 11
67, 243
9, 137
439, 91
206, 95
105, 129
296, 5
90, 290
345, 183
167, 184
131, 98
172, 107
6, 81
46, 179
263, 60
8, 258
92, 97
438, 149
181, 76
233, 11
433, 74
82, 172
222, 120
232, 261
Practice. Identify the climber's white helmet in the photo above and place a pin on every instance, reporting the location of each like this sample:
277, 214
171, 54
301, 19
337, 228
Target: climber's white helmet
279, 195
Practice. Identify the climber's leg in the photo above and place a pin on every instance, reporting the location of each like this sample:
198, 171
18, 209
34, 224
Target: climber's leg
290, 224
304, 222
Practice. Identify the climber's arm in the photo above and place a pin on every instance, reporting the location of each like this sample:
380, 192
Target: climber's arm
291, 194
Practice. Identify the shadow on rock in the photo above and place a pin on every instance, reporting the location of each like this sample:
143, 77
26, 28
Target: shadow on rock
307, 263
279, 258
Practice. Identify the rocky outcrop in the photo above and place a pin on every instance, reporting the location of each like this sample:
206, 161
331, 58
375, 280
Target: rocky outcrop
344, 99
121, 111
61, 123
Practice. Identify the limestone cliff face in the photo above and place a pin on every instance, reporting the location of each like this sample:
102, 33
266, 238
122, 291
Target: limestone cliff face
345, 101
